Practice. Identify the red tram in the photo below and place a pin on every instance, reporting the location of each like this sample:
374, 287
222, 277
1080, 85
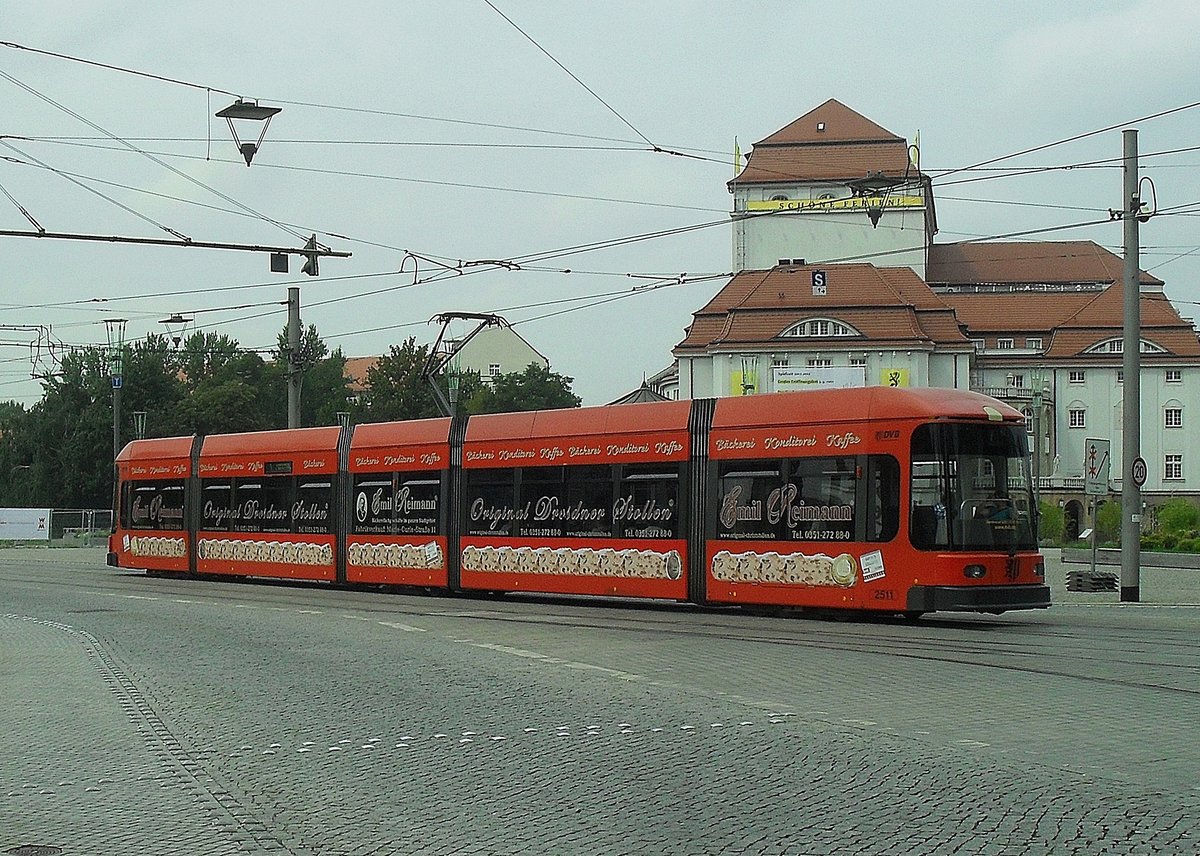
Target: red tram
889, 500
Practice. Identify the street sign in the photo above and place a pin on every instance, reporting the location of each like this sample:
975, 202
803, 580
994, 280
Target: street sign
1096, 467
1138, 471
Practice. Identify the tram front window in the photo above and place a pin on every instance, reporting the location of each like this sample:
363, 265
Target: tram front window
971, 488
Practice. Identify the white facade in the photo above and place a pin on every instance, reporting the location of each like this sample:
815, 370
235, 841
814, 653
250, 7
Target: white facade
826, 224
749, 371
498, 350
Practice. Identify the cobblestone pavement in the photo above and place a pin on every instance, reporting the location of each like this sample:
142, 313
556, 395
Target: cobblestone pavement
146, 715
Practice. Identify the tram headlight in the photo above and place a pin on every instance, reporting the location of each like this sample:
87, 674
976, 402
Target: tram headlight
1039, 569
974, 572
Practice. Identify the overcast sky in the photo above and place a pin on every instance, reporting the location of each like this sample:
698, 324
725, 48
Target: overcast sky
439, 129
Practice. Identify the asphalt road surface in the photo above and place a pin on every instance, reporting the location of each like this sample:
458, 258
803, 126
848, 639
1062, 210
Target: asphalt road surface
162, 716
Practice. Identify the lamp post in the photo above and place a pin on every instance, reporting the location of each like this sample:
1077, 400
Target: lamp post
1039, 388
115, 330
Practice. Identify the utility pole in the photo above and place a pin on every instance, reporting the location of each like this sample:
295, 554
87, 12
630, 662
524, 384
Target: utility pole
293, 358
1133, 468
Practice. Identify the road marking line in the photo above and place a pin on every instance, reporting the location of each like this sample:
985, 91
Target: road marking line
407, 628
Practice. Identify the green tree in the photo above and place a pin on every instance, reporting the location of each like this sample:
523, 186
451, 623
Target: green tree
536, 388
70, 435
228, 388
396, 388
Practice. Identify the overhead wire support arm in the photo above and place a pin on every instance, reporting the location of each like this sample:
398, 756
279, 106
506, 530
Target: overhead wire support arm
308, 251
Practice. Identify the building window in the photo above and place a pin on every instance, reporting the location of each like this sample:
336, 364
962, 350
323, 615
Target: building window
818, 328
1017, 380
1174, 375
1035, 344
1173, 467
779, 362
493, 369
1173, 417
858, 361
1004, 344
817, 362
1077, 418
1120, 375
979, 344
1028, 411
1076, 376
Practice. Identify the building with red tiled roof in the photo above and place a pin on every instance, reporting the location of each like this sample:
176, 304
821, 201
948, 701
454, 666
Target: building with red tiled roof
826, 295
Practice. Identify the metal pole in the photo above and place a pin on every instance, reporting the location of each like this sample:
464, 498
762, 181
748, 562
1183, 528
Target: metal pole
116, 421
1037, 446
293, 365
1131, 439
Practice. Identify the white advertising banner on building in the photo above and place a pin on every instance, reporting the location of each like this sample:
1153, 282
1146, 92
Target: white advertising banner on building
789, 379
24, 524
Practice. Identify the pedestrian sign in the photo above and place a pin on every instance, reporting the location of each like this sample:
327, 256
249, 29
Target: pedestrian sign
1096, 467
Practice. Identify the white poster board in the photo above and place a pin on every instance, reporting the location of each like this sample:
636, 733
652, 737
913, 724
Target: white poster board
788, 379
24, 524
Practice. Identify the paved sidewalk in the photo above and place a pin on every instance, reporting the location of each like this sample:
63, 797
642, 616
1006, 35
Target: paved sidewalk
1158, 586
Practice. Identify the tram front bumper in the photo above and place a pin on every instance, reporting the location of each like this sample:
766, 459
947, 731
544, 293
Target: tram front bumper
977, 598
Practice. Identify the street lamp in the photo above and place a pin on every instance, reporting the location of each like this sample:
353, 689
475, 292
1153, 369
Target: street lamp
176, 326
247, 111
875, 187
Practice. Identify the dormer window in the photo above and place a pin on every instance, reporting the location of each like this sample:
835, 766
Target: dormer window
1117, 346
819, 328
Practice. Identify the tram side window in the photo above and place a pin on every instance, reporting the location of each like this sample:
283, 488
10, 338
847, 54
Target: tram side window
312, 512
566, 502
263, 504
647, 504
418, 503
153, 505
491, 501
216, 505
817, 502
744, 496
374, 499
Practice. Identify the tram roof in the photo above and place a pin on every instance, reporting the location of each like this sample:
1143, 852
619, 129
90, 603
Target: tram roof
282, 442
374, 435
643, 418
855, 404
157, 449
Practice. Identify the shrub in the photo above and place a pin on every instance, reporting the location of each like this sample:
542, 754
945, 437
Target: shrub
1178, 516
1051, 522
1188, 545
1108, 523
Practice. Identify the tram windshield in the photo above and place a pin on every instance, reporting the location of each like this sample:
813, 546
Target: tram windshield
971, 488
